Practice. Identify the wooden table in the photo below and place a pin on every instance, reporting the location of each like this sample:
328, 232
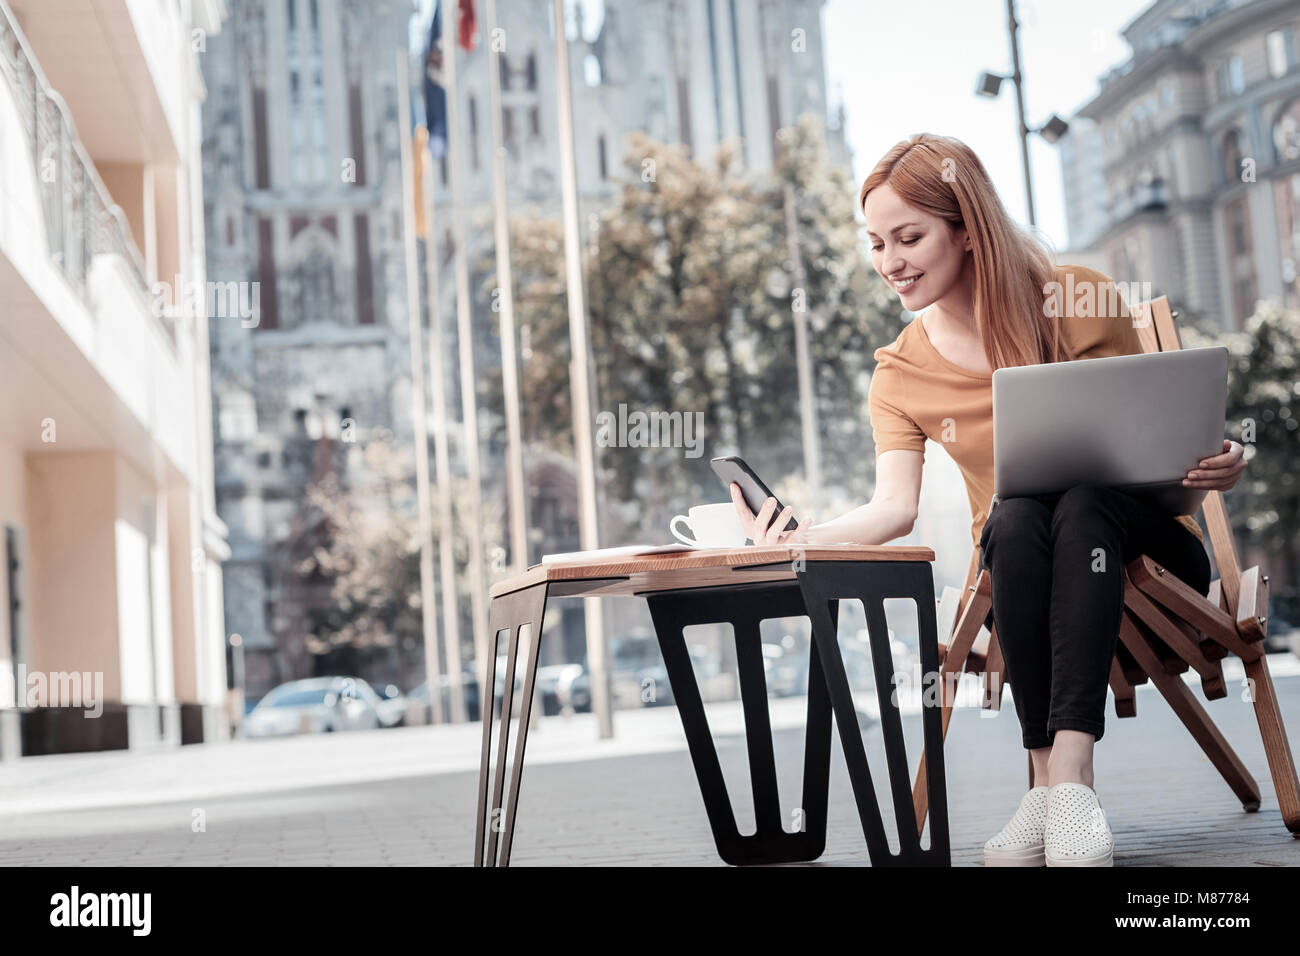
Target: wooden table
741, 587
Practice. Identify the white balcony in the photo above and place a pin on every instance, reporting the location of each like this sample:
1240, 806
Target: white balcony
81, 344
118, 65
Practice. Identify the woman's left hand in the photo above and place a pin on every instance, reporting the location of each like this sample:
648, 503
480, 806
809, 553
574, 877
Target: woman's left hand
1218, 472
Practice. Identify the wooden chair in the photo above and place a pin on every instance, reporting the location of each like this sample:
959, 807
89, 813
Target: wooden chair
1166, 628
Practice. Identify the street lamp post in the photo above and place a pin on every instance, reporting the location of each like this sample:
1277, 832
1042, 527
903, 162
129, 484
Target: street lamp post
989, 85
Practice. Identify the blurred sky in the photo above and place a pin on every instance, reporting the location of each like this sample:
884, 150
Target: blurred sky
904, 68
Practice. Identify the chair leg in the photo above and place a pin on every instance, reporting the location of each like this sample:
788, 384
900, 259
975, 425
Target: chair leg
1193, 716
744, 607
1125, 696
1185, 645
508, 612
973, 617
1281, 762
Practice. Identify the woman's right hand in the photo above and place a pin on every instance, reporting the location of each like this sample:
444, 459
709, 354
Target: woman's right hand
760, 528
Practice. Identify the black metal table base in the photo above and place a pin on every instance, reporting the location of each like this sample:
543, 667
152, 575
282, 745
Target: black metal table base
873, 583
815, 593
744, 606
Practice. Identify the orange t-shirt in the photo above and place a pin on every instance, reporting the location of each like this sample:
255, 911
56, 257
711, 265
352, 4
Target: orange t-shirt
916, 393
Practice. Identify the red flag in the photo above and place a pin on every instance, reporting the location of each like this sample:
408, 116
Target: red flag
468, 32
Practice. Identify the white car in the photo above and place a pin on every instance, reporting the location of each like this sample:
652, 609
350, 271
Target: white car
312, 706
390, 706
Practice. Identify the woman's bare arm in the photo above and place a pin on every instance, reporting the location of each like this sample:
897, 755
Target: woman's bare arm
889, 514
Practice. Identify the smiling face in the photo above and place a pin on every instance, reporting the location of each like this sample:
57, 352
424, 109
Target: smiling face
920, 255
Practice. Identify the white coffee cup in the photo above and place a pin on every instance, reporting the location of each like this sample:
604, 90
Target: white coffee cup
711, 526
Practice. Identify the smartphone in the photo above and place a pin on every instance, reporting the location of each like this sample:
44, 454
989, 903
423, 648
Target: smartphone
733, 468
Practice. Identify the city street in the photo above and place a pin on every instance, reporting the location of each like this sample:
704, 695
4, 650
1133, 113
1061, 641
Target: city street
406, 796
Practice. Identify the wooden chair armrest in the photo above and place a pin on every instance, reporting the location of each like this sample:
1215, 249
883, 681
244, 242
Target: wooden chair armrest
1252, 605
1183, 601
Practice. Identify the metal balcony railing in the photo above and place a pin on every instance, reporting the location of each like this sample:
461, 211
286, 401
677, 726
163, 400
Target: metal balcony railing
81, 219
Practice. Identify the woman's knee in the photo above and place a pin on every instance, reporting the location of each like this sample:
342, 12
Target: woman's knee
1082, 503
1015, 519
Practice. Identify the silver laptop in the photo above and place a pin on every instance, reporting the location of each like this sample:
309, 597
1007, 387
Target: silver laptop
1135, 422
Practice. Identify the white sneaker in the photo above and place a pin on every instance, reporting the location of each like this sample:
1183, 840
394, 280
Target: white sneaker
1020, 842
1077, 833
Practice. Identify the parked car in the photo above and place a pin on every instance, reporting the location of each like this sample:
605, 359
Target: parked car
785, 670
314, 705
638, 676
419, 695
545, 688
391, 705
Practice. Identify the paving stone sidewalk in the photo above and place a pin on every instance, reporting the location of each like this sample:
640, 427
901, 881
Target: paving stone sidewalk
407, 797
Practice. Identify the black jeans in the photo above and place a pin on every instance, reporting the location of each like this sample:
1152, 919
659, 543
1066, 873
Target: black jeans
1057, 563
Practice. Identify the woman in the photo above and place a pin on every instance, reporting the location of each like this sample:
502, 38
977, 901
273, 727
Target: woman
993, 298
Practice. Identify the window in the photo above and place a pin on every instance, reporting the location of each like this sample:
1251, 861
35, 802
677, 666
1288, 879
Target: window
261, 149
297, 117
14, 593
1167, 95
1280, 47
1287, 201
473, 131
1286, 132
307, 140
266, 300
1231, 155
1232, 79
356, 131
365, 277
1239, 245
236, 416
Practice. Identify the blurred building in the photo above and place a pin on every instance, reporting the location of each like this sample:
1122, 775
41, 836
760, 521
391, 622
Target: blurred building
694, 72
304, 196
1085, 182
111, 634
1197, 139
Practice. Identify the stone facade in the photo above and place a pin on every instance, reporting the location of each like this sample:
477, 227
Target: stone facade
1197, 141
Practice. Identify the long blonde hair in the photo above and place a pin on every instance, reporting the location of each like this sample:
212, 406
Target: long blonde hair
1013, 270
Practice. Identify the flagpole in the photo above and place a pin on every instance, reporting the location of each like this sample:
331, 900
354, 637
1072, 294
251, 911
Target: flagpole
442, 461
588, 529
505, 289
468, 399
428, 600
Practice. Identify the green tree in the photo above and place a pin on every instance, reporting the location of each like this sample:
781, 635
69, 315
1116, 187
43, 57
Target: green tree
1262, 411
359, 551
691, 298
